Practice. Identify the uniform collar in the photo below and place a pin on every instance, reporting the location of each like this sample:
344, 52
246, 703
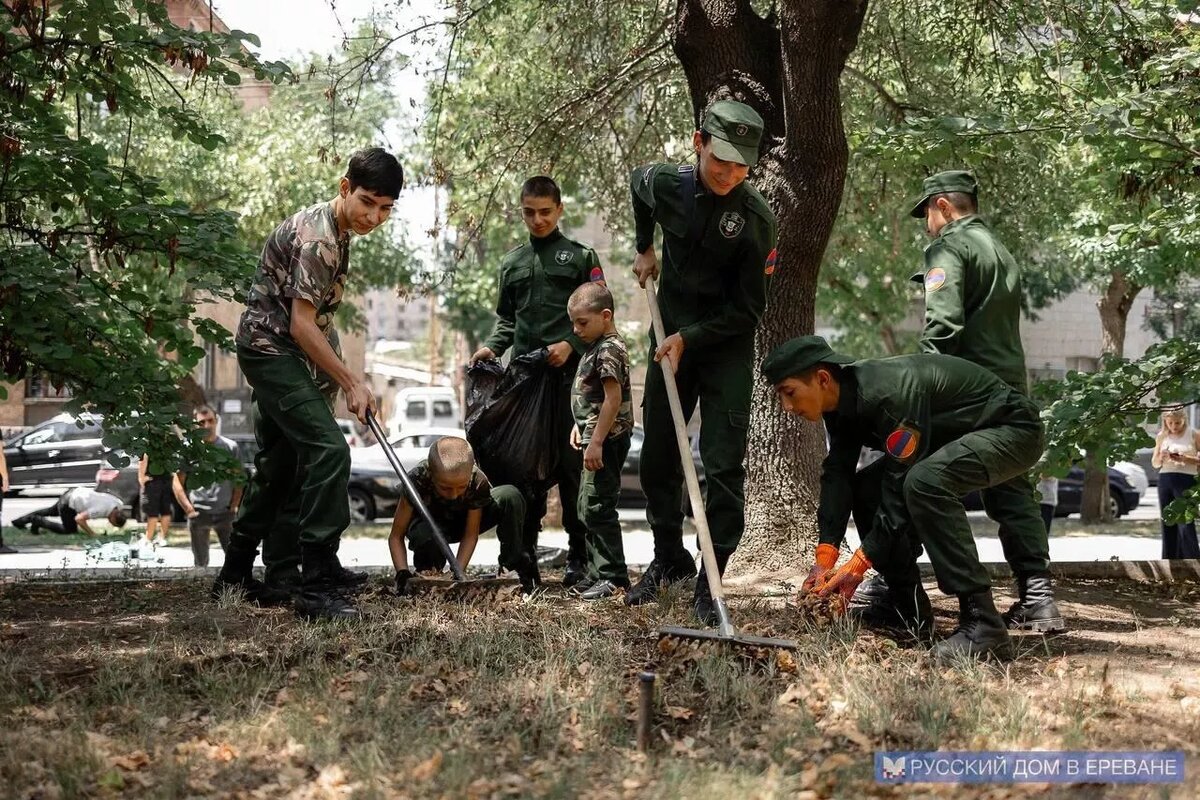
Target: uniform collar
848, 394
961, 222
553, 237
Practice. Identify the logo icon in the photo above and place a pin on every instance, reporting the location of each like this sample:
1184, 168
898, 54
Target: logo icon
893, 768
935, 279
902, 443
731, 224
741, 130
596, 275
563, 257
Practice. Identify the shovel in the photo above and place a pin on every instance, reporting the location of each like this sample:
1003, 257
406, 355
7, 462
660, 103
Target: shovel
421, 585
725, 631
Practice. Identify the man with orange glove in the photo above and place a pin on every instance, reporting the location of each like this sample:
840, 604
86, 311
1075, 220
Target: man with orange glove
947, 427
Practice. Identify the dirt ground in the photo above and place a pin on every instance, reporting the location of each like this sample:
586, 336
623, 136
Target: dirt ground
149, 689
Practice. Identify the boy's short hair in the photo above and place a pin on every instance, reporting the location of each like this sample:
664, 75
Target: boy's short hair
203, 408
834, 370
592, 297
375, 170
118, 518
450, 455
962, 202
541, 186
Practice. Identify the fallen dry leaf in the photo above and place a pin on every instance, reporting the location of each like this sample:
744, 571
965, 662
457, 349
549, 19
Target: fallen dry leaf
223, 753
679, 712
132, 762
427, 768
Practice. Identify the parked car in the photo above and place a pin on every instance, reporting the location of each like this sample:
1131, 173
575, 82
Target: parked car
424, 407
62, 452
374, 488
1142, 459
411, 447
1123, 495
1136, 474
631, 482
349, 429
122, 481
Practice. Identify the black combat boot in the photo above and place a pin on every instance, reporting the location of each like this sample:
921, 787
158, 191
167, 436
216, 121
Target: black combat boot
899, 608
870, 594
237, 574
1036, 610
702, 602
322, 595
576, 572
528, 574
981, 632
678, 568
353, 580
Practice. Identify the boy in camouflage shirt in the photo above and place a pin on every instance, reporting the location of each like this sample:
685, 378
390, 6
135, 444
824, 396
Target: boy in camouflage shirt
603, 407
463, 503
288, 350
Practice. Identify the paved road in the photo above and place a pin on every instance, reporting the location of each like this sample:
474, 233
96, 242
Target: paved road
639, 548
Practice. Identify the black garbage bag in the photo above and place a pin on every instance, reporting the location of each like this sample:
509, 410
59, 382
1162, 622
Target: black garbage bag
514, 419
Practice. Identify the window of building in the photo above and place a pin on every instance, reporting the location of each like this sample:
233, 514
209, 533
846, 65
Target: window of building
39, 385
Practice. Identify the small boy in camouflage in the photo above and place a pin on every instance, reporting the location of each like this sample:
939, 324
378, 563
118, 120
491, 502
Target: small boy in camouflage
603, 407
463, 503
288, 350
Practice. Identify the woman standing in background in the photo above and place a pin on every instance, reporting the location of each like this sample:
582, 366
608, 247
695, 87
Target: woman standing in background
1176, 457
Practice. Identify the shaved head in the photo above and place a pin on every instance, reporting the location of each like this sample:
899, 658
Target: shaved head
591, 297
451, 455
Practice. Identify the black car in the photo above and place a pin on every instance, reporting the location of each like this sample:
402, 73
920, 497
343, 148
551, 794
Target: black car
1123, 497
62, 452
631, 482
374, 492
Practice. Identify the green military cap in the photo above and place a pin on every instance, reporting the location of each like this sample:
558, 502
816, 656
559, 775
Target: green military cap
952, 180
736, 130
795, 356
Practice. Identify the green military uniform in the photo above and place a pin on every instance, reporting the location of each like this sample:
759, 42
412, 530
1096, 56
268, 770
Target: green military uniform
947, 427
536, 279
973, 310
298, 493
501, 507
718, 254
600, 490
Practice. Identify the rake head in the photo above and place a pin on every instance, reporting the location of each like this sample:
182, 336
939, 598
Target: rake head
734, 639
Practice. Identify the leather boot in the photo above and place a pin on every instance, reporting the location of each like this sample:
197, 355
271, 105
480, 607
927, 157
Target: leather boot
348, 578
702, 602
870, 594
322, 595
904, 609
576, 572
678, 568
981, 632
237, 574
1036, 610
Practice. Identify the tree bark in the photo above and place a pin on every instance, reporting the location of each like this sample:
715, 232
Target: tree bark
1114, 305
787, 66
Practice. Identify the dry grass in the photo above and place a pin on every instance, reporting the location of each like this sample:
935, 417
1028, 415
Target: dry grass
150, 690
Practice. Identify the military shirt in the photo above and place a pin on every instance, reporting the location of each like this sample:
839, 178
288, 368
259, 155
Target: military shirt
716, 260
606, 358
973, 300
451, 513
304, 257
908, 407
536, 279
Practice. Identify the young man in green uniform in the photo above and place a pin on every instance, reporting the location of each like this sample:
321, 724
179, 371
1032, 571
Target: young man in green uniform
973, 310
947, 427
718, 252
288, 350
536, 279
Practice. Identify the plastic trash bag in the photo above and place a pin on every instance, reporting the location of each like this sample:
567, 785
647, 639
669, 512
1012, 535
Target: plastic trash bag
515, 419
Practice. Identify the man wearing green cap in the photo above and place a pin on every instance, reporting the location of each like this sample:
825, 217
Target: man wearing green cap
947, 427
718, 252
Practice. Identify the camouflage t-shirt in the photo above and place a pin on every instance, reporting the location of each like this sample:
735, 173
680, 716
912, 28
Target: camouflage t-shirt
304, 257
606, 358
451, 514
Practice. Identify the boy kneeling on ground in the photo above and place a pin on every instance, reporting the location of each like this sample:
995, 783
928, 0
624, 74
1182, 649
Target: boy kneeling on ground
464, 504
947, 427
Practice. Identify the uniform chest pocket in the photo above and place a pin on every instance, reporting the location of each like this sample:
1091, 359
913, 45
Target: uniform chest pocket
517, 283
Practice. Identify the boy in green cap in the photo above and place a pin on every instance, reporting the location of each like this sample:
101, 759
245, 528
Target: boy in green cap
718, 253
947, 427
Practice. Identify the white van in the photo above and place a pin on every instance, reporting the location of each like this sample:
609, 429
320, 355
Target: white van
425, 407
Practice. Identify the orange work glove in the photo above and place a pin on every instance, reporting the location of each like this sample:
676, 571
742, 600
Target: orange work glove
827, 556
845, 579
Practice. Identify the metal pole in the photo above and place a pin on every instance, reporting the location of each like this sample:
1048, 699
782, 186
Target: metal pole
645, 709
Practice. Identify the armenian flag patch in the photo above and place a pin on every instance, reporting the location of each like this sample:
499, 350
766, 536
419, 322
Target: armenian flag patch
935, 279
770, 268
902, 443
596, 275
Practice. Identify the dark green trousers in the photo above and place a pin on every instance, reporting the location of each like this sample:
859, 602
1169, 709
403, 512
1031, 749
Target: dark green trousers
1023, 534
599, 492
506, 513
896, 558
722, 388
934, 487
297, 496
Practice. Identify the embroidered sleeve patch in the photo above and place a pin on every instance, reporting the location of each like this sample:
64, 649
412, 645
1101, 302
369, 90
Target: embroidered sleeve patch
596, 275
935, 279
770, 268
902, 443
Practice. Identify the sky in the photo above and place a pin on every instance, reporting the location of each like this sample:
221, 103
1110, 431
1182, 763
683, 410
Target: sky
290, 29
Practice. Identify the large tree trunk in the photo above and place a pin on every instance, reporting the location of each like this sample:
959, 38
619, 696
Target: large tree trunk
788, 67
1114, 305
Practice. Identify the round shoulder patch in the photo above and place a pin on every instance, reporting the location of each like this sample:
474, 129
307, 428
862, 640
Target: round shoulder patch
596, 275
902, 443
935, 279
